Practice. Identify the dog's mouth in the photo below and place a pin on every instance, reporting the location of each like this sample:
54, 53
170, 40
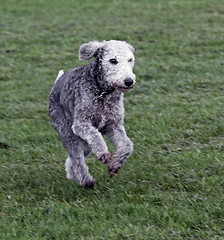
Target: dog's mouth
124, 89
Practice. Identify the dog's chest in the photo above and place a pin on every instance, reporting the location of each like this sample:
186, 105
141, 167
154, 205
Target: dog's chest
108, 113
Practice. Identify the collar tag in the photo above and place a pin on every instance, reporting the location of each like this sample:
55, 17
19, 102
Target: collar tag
102, 95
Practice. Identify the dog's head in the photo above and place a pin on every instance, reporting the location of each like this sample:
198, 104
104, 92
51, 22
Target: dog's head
117, 61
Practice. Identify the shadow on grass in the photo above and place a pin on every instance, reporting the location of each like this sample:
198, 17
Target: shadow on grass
31, 185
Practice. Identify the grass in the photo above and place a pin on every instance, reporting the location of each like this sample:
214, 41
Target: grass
172, 185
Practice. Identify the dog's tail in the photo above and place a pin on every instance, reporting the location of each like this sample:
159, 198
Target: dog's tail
60, 73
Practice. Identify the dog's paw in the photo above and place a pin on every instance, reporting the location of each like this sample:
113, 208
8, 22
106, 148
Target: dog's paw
105, 157
89, 183
113, 169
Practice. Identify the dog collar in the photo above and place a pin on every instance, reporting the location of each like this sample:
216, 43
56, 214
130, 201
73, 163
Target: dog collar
104, 93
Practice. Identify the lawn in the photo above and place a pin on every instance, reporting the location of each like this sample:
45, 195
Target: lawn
172, 187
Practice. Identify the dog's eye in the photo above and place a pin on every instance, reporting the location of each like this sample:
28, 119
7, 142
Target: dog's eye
113, 61
130, 60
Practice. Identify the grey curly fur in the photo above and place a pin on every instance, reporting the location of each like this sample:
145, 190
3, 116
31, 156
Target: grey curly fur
87, 103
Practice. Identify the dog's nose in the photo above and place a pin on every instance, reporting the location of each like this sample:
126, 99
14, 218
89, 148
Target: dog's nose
128, 82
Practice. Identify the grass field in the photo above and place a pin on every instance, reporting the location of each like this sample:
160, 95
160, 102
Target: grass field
172, 187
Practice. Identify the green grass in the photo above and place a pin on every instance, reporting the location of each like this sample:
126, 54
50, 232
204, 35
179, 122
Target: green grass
172, 187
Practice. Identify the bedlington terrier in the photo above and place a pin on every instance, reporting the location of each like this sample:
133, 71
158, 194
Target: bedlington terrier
86, 103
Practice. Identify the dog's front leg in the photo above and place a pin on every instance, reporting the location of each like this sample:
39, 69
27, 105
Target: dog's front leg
94, 139
124, 148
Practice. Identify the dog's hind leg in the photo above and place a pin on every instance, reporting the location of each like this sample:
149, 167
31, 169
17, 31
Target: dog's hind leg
76, 168
75, 165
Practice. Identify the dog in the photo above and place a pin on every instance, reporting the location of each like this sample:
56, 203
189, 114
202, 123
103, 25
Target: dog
86, 103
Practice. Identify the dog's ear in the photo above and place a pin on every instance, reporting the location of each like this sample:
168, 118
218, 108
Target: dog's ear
89, 50
131, 47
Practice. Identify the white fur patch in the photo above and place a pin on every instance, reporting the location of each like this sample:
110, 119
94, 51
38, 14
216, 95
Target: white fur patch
68, 169
60, 73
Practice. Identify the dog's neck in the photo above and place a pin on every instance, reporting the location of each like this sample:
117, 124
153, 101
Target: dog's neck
103, 87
